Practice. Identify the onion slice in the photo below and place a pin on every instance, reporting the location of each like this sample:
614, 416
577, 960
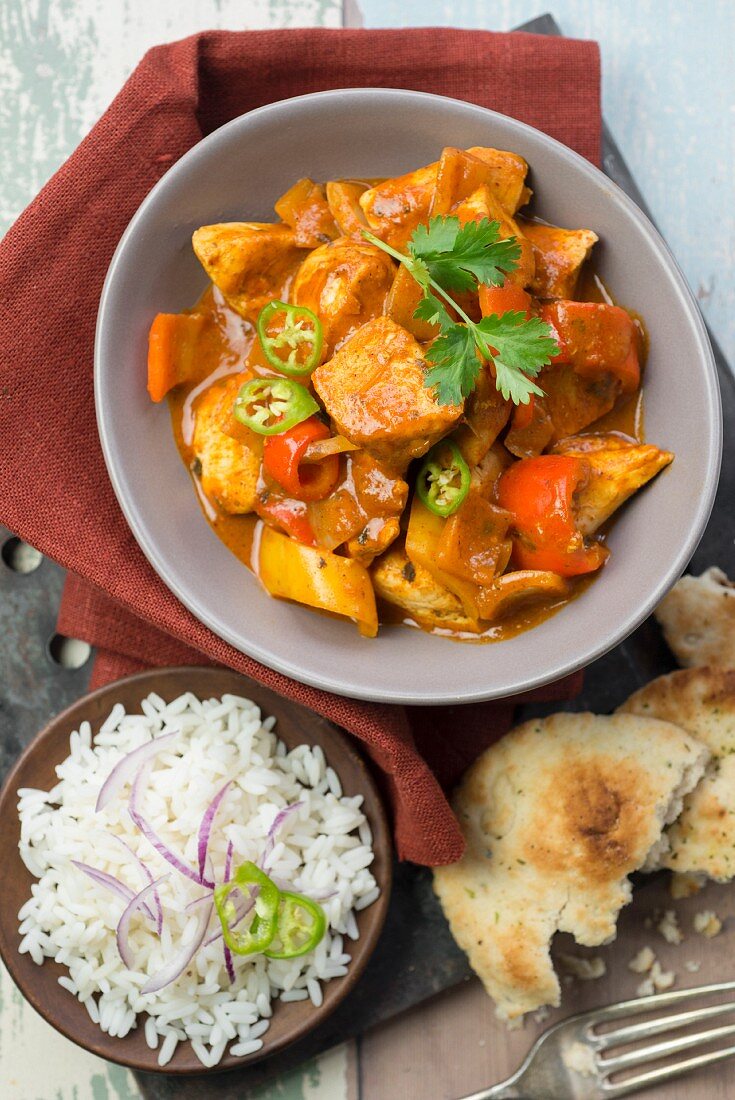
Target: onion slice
270, 841
126, 768
179, 962
206, 828
149, 832
123, 925
108, 881
228, 860
158, 915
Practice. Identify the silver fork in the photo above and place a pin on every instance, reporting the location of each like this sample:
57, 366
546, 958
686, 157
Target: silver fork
545, 1075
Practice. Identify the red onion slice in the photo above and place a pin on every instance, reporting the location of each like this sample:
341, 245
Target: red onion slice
179, 962
123, 925
108, 881
126, 768
270, 841
206, 828
158, 916
149, 832
228, 861
228, 963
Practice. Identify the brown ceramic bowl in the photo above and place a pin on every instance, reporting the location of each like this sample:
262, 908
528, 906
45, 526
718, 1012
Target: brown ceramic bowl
35, 768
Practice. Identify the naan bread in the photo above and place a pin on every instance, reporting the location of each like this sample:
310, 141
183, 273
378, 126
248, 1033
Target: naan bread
556, 816
698, 620
701, 701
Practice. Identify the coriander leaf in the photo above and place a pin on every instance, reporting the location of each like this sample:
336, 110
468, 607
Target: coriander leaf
420, 272
454, 365
438, 236
457, 257
519, 347
514, 384
433, 311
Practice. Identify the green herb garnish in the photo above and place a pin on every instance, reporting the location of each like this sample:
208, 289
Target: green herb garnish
446, 256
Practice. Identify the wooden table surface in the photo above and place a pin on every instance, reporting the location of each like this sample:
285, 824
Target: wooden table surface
669, 98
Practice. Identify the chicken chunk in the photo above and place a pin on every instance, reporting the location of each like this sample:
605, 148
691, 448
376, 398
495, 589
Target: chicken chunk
250, 262
559, 255
507, 178
229, 467
618, 468
345, 283
374, 391
401, 582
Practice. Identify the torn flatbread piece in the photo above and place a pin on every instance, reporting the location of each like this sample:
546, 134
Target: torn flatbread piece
556, 816
698, 620
701, 701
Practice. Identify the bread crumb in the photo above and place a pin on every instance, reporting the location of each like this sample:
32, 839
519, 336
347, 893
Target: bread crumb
692, 965
580, 1059
643, 961
669, 928
685, 886
582, 967
707, 923
542, 1014
656, 981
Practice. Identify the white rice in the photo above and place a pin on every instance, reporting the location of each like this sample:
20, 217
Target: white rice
323, 848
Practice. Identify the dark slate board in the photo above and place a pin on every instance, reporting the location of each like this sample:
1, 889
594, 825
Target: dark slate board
416, 957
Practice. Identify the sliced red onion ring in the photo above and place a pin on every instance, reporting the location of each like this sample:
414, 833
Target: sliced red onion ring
228, 861
126, 768
206, 828
270, 841
123, 925
158, 916
149, 832
179, 962
108, 881
228, 964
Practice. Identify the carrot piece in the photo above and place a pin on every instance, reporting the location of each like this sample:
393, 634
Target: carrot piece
172, 344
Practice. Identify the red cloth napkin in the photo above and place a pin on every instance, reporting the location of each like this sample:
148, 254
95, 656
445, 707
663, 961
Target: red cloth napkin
54, 489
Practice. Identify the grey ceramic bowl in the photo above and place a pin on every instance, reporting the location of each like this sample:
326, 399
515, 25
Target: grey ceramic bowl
236, 174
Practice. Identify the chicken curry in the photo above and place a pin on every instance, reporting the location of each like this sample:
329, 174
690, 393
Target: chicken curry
404, 402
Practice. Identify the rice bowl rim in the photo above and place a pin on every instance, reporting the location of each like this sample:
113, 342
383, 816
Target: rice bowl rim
35, 768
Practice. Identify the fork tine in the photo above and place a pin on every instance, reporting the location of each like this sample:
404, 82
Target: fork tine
638, 1005
665, 1073
662, 1024
659, 1050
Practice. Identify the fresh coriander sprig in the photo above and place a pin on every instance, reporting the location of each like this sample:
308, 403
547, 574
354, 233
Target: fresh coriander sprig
445, 255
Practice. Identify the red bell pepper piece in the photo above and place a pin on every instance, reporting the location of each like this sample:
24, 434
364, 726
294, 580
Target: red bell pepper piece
594, 337
539, 493
282, 460
290, 516
508, 298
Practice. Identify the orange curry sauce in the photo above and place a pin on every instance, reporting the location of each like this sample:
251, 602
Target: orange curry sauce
229, 346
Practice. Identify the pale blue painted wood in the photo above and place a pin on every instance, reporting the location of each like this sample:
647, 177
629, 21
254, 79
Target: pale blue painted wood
669, 98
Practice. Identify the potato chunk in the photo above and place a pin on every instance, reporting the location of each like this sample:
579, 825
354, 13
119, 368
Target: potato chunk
395, 207
559, 255
250, 262
401, 582
482, 203
229, 467
346, 284
618, 467
374, 391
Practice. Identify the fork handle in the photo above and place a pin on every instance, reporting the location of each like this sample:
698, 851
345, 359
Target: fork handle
505, 1090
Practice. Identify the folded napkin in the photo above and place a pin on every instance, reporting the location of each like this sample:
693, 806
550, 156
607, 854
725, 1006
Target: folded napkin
54, 488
